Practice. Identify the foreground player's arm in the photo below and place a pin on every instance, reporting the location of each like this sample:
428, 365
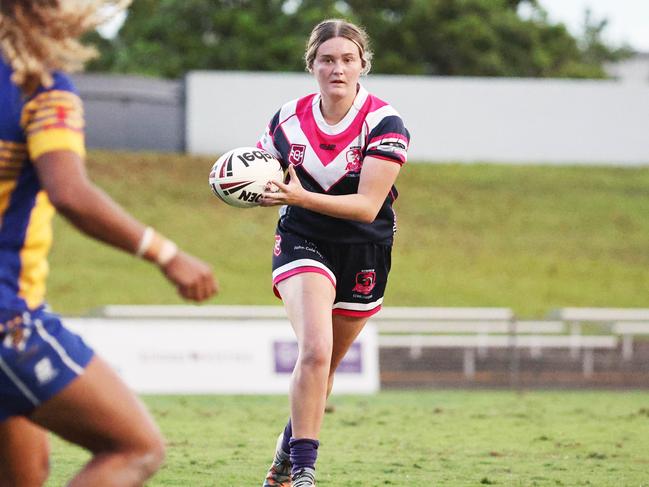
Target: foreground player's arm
63, 176
376, 180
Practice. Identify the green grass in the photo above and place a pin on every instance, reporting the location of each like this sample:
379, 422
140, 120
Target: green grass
528, 237
446, 439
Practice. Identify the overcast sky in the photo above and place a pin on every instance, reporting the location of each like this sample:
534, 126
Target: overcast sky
628, 19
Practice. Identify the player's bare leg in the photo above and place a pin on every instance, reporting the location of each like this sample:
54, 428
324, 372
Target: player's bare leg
97, 411
24, 450
345, 331
308, 298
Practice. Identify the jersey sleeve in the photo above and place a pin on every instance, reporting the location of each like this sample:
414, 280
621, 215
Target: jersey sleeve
389, 140
267, 140
53, 120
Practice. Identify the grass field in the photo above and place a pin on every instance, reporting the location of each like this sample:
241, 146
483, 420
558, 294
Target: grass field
442, 439
527, 237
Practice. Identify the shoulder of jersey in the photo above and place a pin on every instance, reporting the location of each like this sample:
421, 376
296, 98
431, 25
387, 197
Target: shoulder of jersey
378, 110
289, 108
61, 83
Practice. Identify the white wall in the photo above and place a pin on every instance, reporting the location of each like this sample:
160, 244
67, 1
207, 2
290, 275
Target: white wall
450, 119
632, 70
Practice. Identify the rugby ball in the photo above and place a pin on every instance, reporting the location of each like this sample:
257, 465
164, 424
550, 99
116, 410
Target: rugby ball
239, 176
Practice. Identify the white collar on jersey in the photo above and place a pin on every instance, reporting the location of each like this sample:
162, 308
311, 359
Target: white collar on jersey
341, 126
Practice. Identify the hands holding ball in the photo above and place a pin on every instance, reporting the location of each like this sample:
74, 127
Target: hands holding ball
247, 176
280, 193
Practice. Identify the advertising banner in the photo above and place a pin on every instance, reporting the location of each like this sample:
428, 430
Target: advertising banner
175, 356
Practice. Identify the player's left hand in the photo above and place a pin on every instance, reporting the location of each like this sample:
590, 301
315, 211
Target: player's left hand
193, 278
290, 193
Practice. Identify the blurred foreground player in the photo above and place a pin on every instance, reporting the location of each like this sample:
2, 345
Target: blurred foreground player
343, 148
49, 378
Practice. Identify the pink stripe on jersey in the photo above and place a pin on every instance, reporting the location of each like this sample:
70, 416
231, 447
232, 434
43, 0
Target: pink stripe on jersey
299, 270
401, 160
316, 137
354, 313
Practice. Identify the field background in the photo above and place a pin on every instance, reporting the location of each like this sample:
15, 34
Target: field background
531, 238
445, 439
528, 237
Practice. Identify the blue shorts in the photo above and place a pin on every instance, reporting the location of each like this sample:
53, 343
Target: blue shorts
358, 272
38, 358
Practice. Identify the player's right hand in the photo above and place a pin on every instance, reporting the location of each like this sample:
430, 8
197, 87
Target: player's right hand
280, 193
192, 277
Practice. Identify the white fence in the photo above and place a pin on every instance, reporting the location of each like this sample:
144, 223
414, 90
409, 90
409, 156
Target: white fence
251, 349
450, 119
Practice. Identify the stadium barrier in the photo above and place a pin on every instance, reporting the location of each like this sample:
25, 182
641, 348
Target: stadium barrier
226, 356
188, 311
575, 317
401, 313
474, 331
629, 329
415, 328
605, 317
535, 343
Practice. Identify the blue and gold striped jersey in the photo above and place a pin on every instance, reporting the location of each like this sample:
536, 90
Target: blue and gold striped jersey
48, 120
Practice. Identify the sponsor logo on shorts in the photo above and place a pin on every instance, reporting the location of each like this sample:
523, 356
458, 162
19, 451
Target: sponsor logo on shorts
307, 248
365, 281
45, 371
277, 249
296, 156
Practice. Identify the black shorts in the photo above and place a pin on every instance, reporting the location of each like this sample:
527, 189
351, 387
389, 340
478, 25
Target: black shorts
358, 272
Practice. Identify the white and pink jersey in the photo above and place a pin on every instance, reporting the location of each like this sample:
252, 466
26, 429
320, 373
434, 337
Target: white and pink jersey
328, 159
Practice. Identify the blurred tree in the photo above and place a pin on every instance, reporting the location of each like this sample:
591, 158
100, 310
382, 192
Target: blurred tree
594, 49
443, 37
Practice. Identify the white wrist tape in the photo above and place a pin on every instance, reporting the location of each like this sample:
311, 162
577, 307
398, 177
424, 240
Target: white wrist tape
156, 248
145, 241
168, 251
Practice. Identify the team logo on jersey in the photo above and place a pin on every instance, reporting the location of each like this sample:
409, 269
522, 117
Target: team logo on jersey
296, 156
278, 242
365, 282
354, 162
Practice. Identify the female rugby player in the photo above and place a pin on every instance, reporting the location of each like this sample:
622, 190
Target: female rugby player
343, 148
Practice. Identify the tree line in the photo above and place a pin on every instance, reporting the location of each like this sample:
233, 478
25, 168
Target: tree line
425, 37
